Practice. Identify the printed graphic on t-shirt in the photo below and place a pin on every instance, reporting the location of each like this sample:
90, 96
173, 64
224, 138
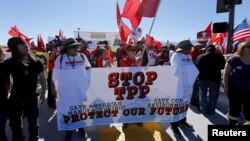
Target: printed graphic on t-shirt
185, 60
151, 58
68, 62
75, 63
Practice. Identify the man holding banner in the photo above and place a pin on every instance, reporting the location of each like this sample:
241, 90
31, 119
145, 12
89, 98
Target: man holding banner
187, 73
70, 61
131, 61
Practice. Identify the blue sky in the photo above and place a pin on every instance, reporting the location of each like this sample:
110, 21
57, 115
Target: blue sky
176, 19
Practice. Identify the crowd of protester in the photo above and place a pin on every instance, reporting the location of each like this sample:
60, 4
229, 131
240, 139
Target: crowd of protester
71, 53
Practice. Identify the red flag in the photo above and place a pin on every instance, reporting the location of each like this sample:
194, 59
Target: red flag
203, 35
14, 31
218, 38
158, 45
118, 14
124, 30
209, 30
124, 33
130, 10
148, 8
206, 34
149, 40
209, 27
40, 44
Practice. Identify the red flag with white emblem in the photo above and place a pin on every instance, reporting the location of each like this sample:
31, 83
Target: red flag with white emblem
124, 30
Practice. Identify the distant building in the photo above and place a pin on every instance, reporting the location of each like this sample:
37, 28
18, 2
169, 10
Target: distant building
113, 38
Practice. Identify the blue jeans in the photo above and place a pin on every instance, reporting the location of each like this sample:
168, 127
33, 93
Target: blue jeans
208, 105
195, 93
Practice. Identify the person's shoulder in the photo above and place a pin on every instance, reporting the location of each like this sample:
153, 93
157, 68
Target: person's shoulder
176, 53
234, 58
38, 63
81, 55
219, 55
87, 50
204, 55
200, 57
59, 57
8, 61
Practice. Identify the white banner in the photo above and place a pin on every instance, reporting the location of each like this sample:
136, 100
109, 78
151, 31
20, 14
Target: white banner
120, 95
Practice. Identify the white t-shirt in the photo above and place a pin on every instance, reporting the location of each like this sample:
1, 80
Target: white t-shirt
71, 62
181, 59
186, 72
151, 57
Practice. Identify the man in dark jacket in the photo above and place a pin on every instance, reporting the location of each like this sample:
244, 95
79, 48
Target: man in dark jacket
196, 50
210, 65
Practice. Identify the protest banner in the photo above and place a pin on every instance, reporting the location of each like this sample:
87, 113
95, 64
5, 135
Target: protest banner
119, 95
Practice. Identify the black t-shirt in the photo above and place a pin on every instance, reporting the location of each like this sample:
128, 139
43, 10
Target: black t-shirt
210, 65
24, 77
240, 74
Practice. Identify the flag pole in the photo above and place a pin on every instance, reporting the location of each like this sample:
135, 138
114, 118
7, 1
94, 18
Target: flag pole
231, 28
154, 18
